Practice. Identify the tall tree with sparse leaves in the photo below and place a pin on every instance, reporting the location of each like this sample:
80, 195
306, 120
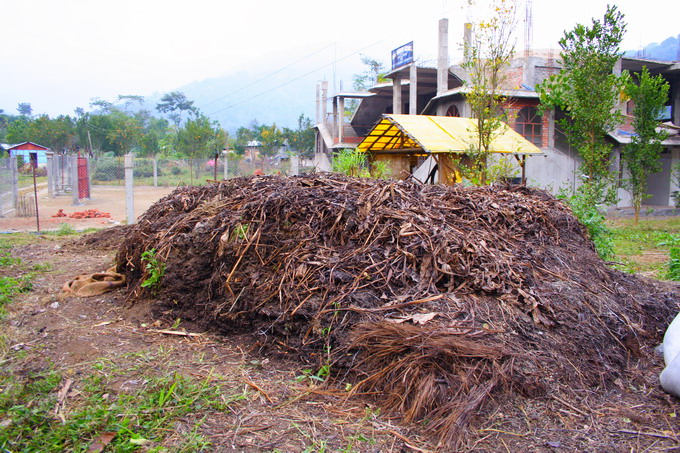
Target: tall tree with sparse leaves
588, 90
642, 154
487, 58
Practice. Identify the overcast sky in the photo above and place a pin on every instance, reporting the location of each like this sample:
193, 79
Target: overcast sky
57, 54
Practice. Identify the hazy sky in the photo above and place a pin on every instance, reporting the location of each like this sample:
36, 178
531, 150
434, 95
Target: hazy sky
57, 54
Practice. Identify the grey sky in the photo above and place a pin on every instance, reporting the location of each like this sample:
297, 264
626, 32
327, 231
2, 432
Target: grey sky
57, 54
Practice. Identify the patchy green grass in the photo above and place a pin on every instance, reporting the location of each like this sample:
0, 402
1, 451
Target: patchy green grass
158, 415
645, 248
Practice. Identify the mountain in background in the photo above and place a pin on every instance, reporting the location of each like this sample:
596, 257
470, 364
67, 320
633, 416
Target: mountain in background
273, 89
668, 50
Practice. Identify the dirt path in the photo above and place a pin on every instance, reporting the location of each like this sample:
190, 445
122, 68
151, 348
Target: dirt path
110, 199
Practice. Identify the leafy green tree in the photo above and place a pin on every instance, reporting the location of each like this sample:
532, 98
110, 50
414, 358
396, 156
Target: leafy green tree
155, 129
642, 154
129, 99
124, 134
57, 134
301, 140
373, 73
271, 139
175, 104
25, 109
104, 106
200, 138
588, 90
243, 136
487, 57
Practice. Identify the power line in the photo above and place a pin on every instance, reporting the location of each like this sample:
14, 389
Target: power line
268, 75
299, 77
292, 64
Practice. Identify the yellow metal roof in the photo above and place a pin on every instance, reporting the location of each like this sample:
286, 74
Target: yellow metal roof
438, 134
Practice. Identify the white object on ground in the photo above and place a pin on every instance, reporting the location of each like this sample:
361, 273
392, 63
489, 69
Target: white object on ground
670, 376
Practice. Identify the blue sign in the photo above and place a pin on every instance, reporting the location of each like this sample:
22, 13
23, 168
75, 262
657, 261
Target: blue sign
402, 56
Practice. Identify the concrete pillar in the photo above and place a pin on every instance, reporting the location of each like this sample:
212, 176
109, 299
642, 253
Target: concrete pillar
318, 103
155, 170
335, 118
73, 165
226, 165
50, 175
396, 94
443, 57
413, 90
341, 118
676, 101
129, 189
324, 101
14, 170
443, 63
294, 164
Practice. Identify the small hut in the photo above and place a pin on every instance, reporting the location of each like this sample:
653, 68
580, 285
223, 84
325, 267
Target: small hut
434, 145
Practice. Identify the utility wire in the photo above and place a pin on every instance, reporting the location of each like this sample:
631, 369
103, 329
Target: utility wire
299, 77
296, 78
268, 75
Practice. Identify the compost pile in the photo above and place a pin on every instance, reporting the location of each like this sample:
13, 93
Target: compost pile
429, 299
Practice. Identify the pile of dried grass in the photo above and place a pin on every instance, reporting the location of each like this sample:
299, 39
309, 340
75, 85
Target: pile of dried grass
431, 298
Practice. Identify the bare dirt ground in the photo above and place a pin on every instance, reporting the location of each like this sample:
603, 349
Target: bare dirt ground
109, 199
273, 407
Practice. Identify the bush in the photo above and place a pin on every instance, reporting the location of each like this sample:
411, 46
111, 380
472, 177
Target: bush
109, 170
27, 169
674, 265
592, 217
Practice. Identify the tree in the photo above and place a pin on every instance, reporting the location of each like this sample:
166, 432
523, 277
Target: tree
124, 133
271, 138
588, 90
642, 154
25, 109
487, 56
129, 99
301, 139
243, 136
200, 138
174, 104
103, 105
373, 73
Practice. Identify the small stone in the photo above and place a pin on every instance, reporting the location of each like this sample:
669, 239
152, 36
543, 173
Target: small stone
54, 305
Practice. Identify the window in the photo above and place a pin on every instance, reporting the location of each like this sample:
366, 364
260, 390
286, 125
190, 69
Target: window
452, 111
529, 125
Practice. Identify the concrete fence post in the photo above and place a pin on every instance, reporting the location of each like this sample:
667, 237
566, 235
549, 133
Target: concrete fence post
73, 158
155, 171
129, 189
50, 175
15, 180
294, 165
226, 166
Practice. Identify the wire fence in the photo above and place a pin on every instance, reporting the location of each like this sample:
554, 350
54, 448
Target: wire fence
80, 193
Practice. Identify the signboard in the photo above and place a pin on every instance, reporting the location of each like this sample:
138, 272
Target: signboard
402, 56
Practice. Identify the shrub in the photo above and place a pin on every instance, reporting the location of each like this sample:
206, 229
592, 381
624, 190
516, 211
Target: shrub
592, 217
109, 170
674, 265
27, 169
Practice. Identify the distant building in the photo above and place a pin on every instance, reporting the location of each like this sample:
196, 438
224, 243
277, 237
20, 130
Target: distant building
29, 151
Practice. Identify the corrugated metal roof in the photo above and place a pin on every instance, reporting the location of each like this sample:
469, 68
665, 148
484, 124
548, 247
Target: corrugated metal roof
438, 134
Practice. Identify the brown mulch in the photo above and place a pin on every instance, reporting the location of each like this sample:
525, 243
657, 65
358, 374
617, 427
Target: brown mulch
435, 301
